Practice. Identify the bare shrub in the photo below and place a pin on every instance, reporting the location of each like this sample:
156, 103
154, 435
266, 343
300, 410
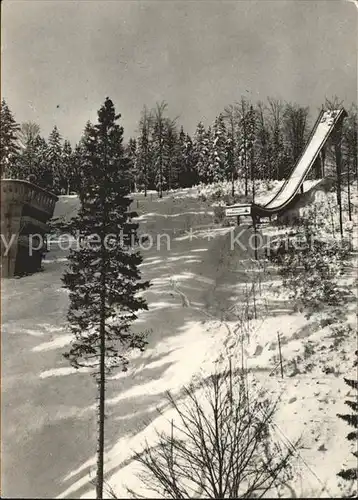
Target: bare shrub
219, 445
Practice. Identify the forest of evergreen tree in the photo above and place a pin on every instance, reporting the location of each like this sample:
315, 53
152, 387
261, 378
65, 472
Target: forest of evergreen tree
245, 141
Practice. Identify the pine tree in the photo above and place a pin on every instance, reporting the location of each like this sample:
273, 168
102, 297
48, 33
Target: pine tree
202, 148
263, 142
32, 161
189, 160
187, 174
67, 167
42, 172
243, 142
218, 162
76, 163
77, 168
231, 150
351, 474
181, 152
55, 160
158, 136
80, 166
8, 140
144, 169
103, 277
131, 151
171, 155
350, 151
251, 147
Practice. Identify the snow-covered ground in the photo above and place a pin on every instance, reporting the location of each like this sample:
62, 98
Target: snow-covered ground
198, 287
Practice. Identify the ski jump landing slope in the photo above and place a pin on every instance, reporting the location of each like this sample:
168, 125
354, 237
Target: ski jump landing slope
324, 126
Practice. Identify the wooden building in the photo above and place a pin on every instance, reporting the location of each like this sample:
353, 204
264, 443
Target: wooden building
25, 211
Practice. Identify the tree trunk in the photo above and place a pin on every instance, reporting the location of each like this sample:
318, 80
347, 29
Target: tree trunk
102, 357
101, 412
245, 152
245, 168
160, 168
101, 388
145, 176
170, 175
349, 192
254, 221
338, 155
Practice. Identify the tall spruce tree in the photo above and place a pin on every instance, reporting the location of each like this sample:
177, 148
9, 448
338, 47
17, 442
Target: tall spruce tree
9, 149
251, 147
171, 155
131, 151
76, 168
202, 149
55, 159
231, 115
103, 277
351, 474
263, 159
187, 174
158, 138
81, 162
181, 158
42, 172
218, 150
67, 167
144, 151
192, 177
243, 137
199, 145
350, 151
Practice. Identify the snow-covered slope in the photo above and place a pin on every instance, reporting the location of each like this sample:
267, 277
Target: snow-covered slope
48, 409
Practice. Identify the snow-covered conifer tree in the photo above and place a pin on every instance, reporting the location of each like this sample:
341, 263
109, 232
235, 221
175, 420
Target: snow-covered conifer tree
158, 138
67, 167
187, 174
8, 141
145, 168
202, 148
55, 159
131, 151
218, 162
103, 278
171, 155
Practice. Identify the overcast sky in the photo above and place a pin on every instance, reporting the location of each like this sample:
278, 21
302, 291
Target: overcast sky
60, 59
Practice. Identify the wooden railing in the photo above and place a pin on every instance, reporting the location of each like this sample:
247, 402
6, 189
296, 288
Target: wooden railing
24, 192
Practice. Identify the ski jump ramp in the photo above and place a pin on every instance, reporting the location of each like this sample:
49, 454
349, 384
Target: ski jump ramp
326, 123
